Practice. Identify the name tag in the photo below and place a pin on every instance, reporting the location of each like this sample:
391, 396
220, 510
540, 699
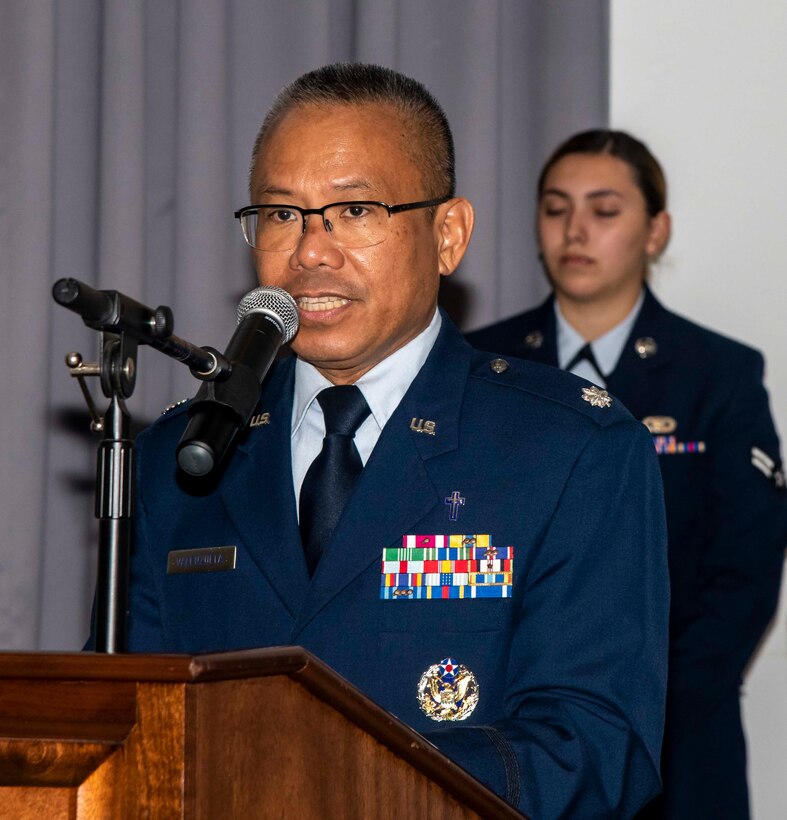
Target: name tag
204, 559
660, 425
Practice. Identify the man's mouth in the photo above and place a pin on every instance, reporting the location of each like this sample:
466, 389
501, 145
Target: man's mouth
315, 304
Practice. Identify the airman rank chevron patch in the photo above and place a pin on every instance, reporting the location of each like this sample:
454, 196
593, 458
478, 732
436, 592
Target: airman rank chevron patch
446, 566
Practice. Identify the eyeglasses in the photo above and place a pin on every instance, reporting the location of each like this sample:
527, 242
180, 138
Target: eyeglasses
355, 224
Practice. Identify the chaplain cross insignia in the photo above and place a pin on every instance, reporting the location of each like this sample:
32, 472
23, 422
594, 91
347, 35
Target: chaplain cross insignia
455, 501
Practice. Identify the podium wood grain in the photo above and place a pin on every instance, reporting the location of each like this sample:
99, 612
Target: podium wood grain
270, 733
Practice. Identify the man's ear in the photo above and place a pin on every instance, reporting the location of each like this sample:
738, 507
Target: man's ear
453, 227
660, 230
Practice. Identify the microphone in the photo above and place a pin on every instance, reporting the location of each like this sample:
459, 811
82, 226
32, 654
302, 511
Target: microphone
267, 319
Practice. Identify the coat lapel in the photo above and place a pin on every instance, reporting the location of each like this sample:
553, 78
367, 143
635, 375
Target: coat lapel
632, 380
259, 498
539, 338
395, 490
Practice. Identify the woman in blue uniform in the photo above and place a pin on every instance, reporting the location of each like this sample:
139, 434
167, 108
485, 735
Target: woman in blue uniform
601, 220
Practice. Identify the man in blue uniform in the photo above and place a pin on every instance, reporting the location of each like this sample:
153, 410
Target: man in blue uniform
497, 576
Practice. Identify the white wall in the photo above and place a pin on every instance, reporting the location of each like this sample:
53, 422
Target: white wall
703, 83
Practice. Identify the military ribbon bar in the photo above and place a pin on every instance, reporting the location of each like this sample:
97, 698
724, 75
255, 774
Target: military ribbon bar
446, 566
669, 445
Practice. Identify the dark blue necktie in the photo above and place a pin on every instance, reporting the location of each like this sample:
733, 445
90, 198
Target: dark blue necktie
585, 354
329, 480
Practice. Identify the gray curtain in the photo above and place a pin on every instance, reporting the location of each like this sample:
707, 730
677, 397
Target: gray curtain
125, 131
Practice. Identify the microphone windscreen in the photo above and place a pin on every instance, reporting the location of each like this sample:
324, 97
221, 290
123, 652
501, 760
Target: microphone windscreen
276, 303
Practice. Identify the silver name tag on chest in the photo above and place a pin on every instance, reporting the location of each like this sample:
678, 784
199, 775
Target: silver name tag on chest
204, 559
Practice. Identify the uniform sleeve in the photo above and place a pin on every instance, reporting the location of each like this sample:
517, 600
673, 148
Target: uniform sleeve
145, 628
587, 672
742, 562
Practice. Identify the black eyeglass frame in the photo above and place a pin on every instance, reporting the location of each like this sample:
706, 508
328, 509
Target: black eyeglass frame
304, 212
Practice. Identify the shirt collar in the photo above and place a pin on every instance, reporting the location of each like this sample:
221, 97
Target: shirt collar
606, 348
383, 386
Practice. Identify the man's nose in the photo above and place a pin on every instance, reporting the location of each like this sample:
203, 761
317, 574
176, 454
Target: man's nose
316, 245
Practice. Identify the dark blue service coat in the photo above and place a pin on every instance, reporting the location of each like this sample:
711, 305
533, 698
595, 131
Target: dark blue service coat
571, 667
703, 397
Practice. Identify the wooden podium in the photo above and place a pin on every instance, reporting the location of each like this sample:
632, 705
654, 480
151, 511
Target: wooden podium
270, 733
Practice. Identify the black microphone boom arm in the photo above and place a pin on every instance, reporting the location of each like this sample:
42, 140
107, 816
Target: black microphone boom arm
110, 310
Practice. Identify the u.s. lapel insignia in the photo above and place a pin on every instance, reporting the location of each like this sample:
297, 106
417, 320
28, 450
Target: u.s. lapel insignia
660, 425
455, 501
448, 691
260, 419
421, 426
596, 396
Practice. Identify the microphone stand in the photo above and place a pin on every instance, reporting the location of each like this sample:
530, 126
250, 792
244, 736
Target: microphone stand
124, 324
114, 483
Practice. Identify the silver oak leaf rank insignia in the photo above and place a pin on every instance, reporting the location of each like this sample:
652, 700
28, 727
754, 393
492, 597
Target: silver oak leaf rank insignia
596, 396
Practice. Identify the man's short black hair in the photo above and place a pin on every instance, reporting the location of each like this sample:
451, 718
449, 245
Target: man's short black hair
432, 146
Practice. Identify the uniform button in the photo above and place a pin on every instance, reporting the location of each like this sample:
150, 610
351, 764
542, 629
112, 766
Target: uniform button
498, 365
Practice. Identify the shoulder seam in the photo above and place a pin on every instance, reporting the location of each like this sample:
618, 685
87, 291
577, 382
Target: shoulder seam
582, 411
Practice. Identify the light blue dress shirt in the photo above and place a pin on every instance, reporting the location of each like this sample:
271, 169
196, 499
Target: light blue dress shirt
606, 348
383, 387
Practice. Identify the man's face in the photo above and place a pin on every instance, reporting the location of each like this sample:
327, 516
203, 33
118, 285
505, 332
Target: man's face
356, 306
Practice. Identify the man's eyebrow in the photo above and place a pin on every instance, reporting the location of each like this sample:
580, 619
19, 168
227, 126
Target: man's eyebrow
276, 191
355, 185
359, 184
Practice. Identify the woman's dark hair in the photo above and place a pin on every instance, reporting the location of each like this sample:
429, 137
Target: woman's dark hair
648, 174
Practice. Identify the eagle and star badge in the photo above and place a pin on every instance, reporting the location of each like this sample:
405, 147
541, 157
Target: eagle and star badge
448, 691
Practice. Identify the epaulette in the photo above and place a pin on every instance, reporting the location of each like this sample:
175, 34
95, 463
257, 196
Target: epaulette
552, 384
170, 407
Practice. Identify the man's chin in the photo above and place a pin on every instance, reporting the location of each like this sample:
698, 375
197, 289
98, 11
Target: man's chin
322, 355
340, 365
